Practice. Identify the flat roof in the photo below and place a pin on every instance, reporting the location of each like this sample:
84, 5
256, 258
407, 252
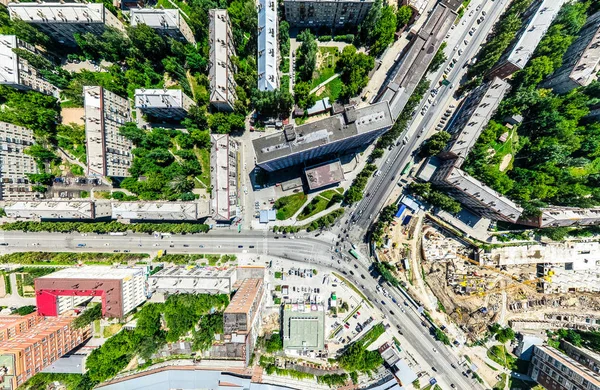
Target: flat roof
156, 17
56, 209
583, 255
168, 211
245, 296
36, 333
224, 178
325, 131
194, 279
303, 327
578, 368
95, 272
221, 48
566, 216
585, 68
9, 72
159, 98
268, 79
324, 175
46, 13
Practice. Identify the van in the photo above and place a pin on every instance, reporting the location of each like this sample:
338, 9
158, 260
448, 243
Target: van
377, 173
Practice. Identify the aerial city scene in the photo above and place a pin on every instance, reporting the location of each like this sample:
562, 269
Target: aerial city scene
300, 194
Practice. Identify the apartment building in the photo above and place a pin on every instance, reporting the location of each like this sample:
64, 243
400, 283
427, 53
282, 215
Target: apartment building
16, 71
170, 104
13, 325
121, 289
268, 44
193, 280
43, 341
108, 152
159, 211
554, 370
540, 16
583, 355
62, 21
354, 127
14, 163
224, 178
581, 61
53, 210
222, 70
330, 13
167, 22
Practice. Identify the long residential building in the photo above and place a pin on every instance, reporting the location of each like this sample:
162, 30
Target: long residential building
108, 152
167, 22
39, 343
331, 13
17, 72
581, 61
163, 103
354, 127
268, 44
15, 164
540, 16
62, 21
159, 211
222, 70
555, 370
121, 289
224, 179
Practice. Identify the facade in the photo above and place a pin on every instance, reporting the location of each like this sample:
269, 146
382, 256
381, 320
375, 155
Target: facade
330, 13
195, 280
16, 72
14, 163
13, 325
303, 327
222, 70
120, 289
108, 152
167, 22
324, 175
554, 370
268, 44
163, 103
581, 61
585, 356
40, 343
335, 134
62, 21
57, 209
224, 178
158, 211
540, 16
410, 68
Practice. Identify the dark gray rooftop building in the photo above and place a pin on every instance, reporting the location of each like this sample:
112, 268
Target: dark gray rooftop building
331, 13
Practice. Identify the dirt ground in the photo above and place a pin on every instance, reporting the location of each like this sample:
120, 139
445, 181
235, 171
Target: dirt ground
72, 115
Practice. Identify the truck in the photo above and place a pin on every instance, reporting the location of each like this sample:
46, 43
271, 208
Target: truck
354, 254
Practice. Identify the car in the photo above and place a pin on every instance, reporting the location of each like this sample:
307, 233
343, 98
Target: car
362, 276
4, 243
434, 369
392, 313
383, 302
435, 350
460, 52
466, 41
452, 385
240, 246
81, 245
355, 266
116, 250
453, 365
126, 251
201, 246
483, 13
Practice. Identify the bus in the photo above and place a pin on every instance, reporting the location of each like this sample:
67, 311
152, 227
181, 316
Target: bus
354, 254
405, 170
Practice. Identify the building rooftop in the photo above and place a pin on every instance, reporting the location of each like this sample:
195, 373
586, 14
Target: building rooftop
159, 98
578, 368
224, 178
192, 279
319, 107
58, 12
245, 296
221, 48
9, 72
324, 175
168, 211
531, 35
304, 327
353, 122
57, 209
35, 334
95, 272
268, 79
583, 255
585, 68
156, 18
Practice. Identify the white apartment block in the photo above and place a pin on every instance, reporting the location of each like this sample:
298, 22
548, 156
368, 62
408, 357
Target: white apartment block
268, 79
14, 164
159, 211
108, 152
224, 177
62, 21
222, 70
16, 71
163, 103
57, 209
167, 22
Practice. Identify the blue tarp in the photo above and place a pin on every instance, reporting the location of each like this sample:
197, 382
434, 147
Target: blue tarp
406, 220
400, 211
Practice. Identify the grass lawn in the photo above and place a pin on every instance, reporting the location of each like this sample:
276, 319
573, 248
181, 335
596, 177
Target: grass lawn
318, 204
326, 69
332, 90
111, 330
289, 205
499, 354
204, 157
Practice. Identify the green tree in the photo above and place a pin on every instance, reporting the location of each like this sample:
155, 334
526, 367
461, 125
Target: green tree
403, 16
354, 68
306, 59
302, 95
435, 144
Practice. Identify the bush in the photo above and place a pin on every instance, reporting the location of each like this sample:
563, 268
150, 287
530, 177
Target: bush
348, 38
324, 38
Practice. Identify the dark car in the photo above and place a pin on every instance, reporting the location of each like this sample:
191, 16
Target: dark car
362, 276
434, 369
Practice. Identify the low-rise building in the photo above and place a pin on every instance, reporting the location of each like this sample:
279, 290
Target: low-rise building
54, 210
222, 69
108, 152
331, 13
303, 327
554, 370
355, 127
63, 20
159, 211
540, 16
193, 280
17, 72
163, 103
224, 178
324, 175
44, 341
268, 44
14, 163
167, 22
120, 289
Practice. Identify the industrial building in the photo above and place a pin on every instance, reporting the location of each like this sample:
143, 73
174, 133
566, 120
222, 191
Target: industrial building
540, 16
224, 159
57, 209
554, 370
353, 128
62, 21
580, 62
222, 69
331, 13
39, 342
324, 175
17, 72
14, 163
108, 152
167, 22
159, 211
120, 289
303, 327
163, 103
193, 280
268, 45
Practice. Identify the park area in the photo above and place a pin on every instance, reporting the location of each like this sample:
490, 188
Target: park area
326, 62
322, 201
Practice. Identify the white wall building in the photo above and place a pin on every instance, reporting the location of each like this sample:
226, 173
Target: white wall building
168, 22
268, 79
224, 177
14, 163
222, 70
163, 103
